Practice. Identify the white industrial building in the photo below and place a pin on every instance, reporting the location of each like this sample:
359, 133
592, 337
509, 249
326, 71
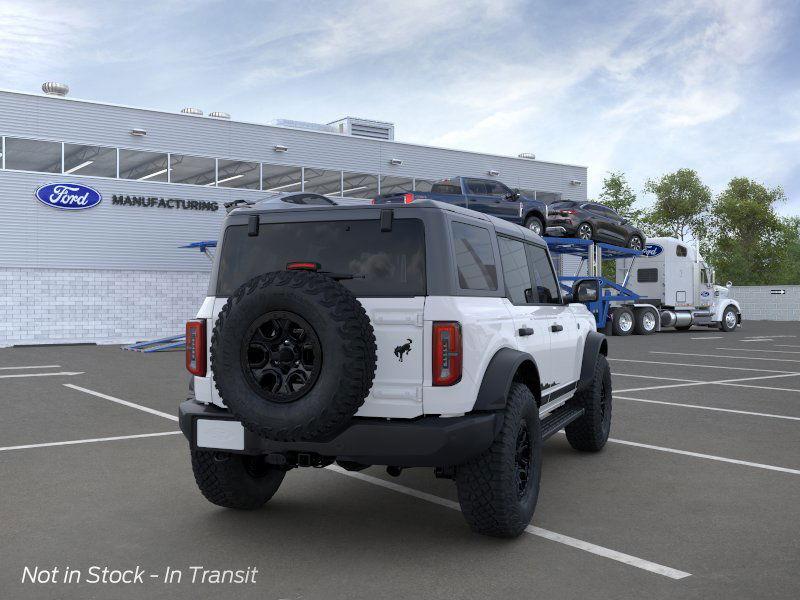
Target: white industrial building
115, 272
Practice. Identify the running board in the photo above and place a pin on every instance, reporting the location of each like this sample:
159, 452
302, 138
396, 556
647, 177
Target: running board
558, 419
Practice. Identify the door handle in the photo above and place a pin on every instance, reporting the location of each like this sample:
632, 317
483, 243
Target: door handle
556, 327
523, 331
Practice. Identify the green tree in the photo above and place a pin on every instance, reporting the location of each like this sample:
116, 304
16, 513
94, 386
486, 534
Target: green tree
750, 243
618, 195
681, 206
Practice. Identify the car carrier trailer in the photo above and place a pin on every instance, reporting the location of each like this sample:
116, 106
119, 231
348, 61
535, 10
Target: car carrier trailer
665, 285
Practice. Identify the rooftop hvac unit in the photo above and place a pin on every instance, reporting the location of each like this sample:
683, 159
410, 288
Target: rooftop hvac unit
51, 88
217, 114
377, 130
192, 111
303, 125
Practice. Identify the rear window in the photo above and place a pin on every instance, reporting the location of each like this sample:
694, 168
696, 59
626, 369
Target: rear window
393, 262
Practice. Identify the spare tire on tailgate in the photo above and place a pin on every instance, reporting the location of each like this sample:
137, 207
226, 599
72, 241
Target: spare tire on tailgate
293, 355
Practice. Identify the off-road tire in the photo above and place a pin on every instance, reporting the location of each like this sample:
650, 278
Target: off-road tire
617, 320
487, 485
639, 325
235, 480
590, 431
531, 221
348, 359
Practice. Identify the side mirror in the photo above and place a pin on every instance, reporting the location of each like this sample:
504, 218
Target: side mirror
586, 290
729, 285
512, 196
567, 297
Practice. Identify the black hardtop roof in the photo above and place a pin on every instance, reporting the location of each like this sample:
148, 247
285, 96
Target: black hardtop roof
501, 226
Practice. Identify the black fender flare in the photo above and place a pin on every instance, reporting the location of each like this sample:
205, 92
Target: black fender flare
535, 212
498, 377
595, 344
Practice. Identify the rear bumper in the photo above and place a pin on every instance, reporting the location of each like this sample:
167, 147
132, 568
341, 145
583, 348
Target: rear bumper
424, 442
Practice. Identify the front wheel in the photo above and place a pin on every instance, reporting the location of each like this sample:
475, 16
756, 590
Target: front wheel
729, 320
498, 489
584, 232
235, 480
535, 225
635, 243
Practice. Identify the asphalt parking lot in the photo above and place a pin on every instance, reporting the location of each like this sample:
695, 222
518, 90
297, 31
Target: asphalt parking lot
695, 496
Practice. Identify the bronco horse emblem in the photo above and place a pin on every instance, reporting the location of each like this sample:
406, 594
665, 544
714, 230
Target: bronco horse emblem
399, 351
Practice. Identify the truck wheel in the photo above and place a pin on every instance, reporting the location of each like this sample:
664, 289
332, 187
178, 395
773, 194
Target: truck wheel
293, 355
589, 433
535, 225
622, 322
235, 480
645, 322
729, 319
498, 489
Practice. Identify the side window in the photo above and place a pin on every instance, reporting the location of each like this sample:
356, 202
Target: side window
515, 271
681, 251
647, 275
544, 280
704, 276
474, 257
495, 188
476, 186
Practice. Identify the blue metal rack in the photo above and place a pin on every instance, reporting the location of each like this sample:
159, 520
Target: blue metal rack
594, 253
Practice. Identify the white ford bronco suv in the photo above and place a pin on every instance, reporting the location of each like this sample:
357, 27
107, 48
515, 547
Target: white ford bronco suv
424, 335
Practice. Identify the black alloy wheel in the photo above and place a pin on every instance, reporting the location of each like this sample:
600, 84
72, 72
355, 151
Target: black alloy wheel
281, 356
523, 460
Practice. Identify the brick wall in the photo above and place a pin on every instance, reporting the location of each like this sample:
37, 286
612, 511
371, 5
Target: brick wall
48, 306
758, 303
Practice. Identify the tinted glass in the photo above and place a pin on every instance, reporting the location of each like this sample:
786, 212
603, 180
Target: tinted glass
546, 286
393, 263
495, 188
320, 181
515, 270
33, 155
280, 178
360, 185
238, 174
445, 187
563, 204
474, 257
681, 251
195, 170
90, 160
144, 166
647, 275
475, 186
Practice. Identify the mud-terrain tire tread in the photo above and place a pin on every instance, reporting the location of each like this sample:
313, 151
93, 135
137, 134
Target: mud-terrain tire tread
589, 432
359, 351
486, 488
227, 483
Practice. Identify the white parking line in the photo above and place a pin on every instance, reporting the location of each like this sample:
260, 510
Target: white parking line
615, 374
633, 561
718, 382
655, 362
714, 408
89, 441
706, 456
708, 337
723, 356
31, 367
758, 350
152, 411
65, 373
787, 346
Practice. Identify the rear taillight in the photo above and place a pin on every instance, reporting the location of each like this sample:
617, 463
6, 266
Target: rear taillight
196, 347
373, 201
300, 265
408, 198
566, 213
447, 353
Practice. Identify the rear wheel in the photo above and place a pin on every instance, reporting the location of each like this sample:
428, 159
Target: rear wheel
498, 489
535, 225
235, 480
645, 323
729, 320
584, 231
635, 243
623, 322
590, 432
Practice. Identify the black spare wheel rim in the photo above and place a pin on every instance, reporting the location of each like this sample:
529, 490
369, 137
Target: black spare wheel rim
281, 356
293, 355
523, 460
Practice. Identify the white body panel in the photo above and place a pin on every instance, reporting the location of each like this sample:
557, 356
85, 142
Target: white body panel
404, 389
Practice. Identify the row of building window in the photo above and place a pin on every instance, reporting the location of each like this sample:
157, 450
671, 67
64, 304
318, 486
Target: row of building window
120, 163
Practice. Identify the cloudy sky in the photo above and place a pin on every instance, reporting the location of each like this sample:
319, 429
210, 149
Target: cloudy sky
641, 87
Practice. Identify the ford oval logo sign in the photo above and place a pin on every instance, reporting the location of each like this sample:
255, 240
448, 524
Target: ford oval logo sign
68, 196
652, 250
